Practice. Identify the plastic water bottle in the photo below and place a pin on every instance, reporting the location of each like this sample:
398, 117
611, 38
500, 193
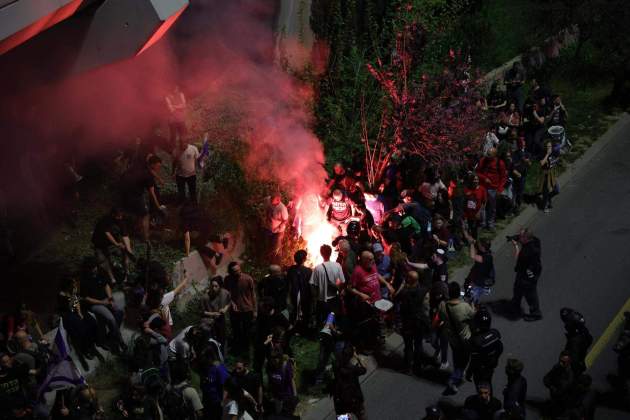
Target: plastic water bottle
330, 319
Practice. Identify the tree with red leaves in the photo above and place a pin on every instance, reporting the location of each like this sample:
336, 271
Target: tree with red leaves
435, 116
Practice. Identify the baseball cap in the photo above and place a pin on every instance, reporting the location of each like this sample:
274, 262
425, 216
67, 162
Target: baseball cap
377, 247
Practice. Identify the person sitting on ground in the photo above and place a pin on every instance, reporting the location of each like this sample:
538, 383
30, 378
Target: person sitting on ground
483, 405
81, 327
23, 319
110, 232
98, 298
234, 402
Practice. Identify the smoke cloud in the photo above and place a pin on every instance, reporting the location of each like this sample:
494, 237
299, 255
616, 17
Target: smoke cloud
220, 51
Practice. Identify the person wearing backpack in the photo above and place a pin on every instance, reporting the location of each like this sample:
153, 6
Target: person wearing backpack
413, 299
457, 316
182, 401
485, 349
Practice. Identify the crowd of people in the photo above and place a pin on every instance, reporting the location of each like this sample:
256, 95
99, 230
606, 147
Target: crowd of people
386, 271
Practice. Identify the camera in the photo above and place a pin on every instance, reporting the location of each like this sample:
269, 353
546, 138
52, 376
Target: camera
511, 238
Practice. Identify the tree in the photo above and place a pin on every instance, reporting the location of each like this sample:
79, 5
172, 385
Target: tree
435, 116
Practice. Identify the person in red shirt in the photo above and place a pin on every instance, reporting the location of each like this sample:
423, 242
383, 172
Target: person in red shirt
493, 176
475, 199
365, 283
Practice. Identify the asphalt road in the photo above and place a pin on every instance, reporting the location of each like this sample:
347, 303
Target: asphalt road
586, 264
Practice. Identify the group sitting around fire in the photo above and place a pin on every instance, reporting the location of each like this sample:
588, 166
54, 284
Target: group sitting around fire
385, 272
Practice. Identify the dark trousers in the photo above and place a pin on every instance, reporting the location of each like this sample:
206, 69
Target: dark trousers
527, 290
481, 374
461, 356
176, 129
182, 182
241, 332
326, 348
414, 351
324, 308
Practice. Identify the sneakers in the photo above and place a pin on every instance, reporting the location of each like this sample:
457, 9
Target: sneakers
444, 366
450, 390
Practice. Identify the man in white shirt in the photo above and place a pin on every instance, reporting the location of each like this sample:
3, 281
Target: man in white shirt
185, 170
327, 278
276, 220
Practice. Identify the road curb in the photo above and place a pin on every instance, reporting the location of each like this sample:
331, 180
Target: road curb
526, 216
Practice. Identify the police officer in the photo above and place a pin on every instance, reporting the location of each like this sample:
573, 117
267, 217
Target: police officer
528, 268
579, 339
485, 348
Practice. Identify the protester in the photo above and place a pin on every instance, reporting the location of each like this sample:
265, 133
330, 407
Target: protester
515, 390
300, 293
276, 220
528, 267
327, 279
559, 381
493, 176
185, 158
483, 405
215, 305
176, 103
244, 307
110, 232
413, 300
457, 315
346, 391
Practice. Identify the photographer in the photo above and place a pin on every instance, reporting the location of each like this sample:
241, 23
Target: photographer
527, 250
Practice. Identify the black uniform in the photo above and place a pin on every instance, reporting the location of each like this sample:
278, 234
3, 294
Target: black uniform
514, 394
559, 381
528, 268
485, 349
579, 339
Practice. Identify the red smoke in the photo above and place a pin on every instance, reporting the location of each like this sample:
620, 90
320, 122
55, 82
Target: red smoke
219, 51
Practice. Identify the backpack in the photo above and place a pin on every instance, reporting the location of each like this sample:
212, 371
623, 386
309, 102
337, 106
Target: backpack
176, 407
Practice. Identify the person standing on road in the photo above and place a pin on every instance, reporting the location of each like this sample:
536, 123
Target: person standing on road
579, 339
457, 316
346, 390
482, 274
413, 299
559, 380
485, 349
515, 391
527, 250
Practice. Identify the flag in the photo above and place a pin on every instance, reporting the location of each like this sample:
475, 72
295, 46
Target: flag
63, 373
205, 152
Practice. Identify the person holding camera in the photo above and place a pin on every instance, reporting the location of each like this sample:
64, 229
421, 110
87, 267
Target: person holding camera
527, 250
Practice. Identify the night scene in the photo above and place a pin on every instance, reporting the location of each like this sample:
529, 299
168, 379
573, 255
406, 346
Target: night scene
314, 209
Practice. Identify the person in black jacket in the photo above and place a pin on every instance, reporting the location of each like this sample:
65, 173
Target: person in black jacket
515, 391
481, 406
527, 250
274, 285
413, 299
579, 339
346, 390
300, 293
559, 380
485, 349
